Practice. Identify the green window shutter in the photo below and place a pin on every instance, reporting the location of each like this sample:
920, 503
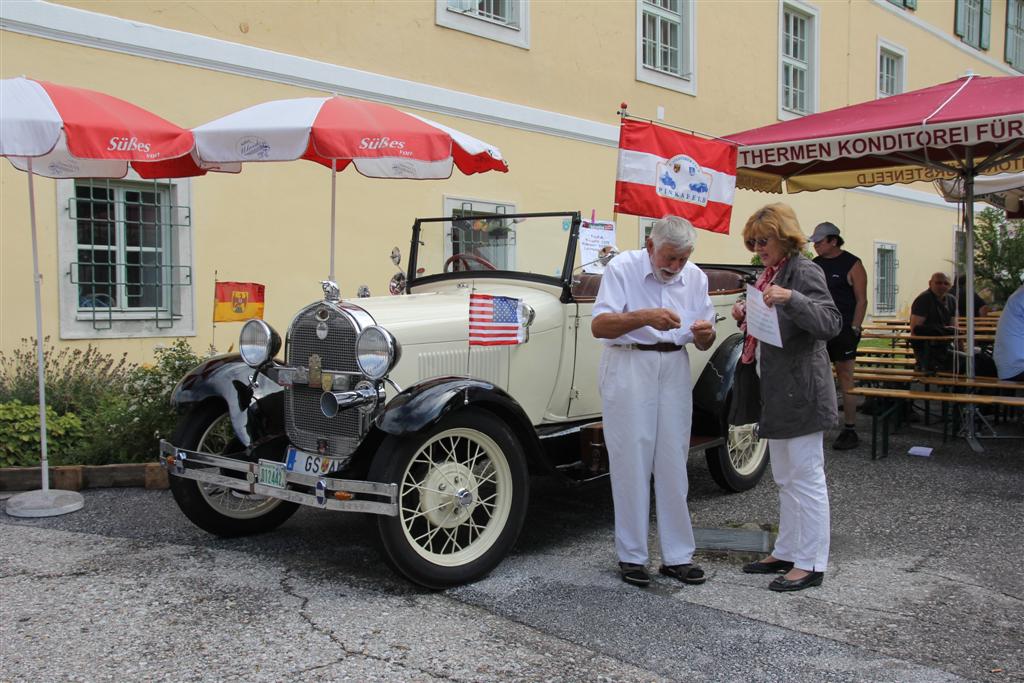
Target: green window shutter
1008, 43
910, 4
959, 20
986, 23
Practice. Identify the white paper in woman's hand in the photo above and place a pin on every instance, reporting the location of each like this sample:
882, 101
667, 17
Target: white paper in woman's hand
762, 321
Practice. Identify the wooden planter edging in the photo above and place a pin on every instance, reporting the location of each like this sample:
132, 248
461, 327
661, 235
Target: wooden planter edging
77, 477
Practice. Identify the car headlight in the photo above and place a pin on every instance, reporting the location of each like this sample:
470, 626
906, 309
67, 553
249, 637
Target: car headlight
377, 351
258, 343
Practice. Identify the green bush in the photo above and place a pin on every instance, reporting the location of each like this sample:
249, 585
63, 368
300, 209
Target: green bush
19, 435
122, 409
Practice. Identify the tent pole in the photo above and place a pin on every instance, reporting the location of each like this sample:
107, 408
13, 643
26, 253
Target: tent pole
41, 369
969, 174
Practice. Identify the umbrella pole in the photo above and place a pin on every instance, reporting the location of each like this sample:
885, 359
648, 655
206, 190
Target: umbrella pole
44, 502
40, 362
334, 185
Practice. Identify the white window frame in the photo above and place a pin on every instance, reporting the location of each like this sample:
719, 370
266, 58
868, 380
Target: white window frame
885, 46
878, 299
645, 226
685, 83
76, 323
450, 203
811, 14
469, 22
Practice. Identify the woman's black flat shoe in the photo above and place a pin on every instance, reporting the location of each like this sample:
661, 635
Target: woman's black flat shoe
773, 567
784, 585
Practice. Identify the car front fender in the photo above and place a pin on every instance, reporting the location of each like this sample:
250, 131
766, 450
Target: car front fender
256, 408
423, 404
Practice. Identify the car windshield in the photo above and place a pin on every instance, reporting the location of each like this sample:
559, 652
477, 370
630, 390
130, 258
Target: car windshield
526, 244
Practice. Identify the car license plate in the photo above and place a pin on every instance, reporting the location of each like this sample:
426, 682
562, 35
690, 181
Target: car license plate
309, 463
272, 474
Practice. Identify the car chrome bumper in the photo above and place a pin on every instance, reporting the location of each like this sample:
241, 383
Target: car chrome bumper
197, 465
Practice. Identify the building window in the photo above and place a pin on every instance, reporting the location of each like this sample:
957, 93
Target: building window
1015, 34
972, 22
492, 239
886, 288
891, 69
126, 258
798, 60
646, 225
909, 4
665, 44
506, 21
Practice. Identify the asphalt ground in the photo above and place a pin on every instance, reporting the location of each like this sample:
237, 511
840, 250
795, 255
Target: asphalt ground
924, 584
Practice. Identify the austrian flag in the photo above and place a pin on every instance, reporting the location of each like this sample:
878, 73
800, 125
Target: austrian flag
664, 171
495, 320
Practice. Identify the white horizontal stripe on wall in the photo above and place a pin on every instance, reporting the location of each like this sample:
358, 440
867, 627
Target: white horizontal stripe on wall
113, 34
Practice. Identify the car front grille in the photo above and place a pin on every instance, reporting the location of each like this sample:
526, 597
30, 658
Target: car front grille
308, 428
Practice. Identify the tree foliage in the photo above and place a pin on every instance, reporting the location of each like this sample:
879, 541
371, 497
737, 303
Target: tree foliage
998, 254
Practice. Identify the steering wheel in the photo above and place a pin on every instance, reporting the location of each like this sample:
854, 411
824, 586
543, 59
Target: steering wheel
466, 259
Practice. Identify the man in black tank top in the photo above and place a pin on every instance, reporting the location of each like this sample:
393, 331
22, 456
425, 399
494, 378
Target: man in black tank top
847, 283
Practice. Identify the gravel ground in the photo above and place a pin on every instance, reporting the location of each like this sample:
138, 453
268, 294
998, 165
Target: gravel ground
925, 584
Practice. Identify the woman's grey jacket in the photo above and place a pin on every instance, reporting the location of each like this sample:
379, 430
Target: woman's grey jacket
797, 395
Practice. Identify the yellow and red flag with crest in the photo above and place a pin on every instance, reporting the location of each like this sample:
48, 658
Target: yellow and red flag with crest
237, 301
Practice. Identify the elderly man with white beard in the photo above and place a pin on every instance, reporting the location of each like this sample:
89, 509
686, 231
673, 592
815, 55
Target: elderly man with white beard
652, 302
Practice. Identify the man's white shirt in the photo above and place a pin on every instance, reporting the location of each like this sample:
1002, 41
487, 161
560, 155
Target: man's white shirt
629, 284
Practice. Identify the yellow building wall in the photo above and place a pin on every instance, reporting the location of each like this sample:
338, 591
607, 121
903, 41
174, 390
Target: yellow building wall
271, 222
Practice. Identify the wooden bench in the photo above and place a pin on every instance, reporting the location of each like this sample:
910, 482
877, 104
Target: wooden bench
879, 351
898, 396
885, 360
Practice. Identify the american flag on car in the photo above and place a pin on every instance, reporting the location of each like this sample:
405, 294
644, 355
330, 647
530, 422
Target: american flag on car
495, 320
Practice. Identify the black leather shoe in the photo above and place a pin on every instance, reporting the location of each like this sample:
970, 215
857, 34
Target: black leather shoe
687, 573
784, 585
773, 567
634, 574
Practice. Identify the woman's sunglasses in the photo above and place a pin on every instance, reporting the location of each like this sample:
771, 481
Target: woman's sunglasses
760, 241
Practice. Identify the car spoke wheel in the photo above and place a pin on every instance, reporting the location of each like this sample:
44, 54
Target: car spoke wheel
462, 490
218, 509
739, 463
746, 449
217, 439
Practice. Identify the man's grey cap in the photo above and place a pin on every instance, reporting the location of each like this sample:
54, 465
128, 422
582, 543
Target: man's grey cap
824, 230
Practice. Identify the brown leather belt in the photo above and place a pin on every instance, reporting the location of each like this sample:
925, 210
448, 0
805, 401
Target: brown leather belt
661, 347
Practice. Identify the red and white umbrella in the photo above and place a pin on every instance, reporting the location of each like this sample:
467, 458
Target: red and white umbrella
380, 141
62, 132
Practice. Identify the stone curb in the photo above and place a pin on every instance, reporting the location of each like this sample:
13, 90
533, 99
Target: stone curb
149, 475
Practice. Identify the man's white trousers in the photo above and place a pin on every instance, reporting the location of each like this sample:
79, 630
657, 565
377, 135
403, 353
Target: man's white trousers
798, 466
648, 403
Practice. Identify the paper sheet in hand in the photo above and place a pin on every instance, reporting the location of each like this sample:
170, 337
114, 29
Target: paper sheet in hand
684, 335
762, 321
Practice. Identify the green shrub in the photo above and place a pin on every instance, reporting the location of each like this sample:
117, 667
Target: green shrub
19, 435
122, 409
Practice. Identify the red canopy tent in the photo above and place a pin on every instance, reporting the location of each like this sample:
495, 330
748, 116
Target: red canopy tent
956, 130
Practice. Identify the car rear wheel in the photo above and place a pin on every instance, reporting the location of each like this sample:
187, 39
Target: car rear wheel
463, 488
218, 509
740, 463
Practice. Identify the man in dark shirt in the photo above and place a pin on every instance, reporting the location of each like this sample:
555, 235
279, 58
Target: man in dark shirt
932, 314
847, 283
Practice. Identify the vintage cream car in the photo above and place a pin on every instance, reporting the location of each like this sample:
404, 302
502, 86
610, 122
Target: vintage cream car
382, 406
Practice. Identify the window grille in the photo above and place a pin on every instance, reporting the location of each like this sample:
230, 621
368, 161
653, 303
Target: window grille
795, 62
126, 265
492, 239
886, 287
504, 12
663, 32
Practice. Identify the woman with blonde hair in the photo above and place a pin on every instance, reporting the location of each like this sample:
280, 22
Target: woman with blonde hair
789, 391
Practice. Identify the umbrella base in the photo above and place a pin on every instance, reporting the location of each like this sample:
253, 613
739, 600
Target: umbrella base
44, 503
